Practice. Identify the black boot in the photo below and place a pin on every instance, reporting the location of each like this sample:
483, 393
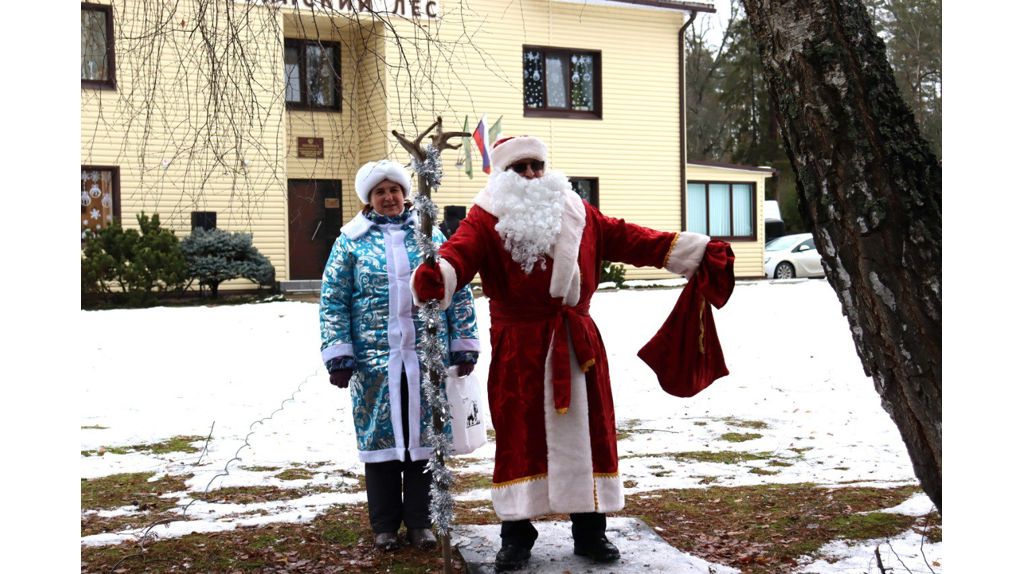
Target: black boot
597, 549
517, 538
588, 537
511, 557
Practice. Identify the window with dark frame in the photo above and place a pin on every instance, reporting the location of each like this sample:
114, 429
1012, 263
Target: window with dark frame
586, 188
97, 46
312, 75
722, 210
101, 198
561, 82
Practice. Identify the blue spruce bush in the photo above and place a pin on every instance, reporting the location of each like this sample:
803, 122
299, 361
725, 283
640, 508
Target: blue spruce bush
215, 256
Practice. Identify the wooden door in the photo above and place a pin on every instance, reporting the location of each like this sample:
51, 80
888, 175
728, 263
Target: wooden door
314, 222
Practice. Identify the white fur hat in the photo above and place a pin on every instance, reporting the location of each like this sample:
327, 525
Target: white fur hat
507, 151
375, 172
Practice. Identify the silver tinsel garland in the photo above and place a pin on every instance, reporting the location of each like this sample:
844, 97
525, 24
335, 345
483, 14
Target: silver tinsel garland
432, 357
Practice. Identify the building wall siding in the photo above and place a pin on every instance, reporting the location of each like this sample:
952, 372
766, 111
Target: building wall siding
169, 104
749, 254
392, 78
633, 149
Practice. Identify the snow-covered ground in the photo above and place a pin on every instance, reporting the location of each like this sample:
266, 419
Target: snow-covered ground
253, 373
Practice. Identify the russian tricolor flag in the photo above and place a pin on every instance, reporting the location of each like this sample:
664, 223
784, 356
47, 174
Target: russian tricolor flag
480, 136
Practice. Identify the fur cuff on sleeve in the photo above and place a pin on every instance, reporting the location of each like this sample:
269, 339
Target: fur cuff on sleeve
686, 254
448, 274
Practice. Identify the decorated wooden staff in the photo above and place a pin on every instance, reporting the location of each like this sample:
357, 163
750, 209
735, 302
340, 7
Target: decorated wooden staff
426, 162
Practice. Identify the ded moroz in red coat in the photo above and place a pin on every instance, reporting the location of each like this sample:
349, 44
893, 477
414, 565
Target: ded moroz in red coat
548, 385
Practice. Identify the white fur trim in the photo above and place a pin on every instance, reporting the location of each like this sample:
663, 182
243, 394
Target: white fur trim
565, 272
611, 497
570, 458
415, 453
522, 500
375, 172
518, 148
570, 484
457, 345
687, 253
357, 226
450, 281
381, 455
339, 350
483, 199
401, 335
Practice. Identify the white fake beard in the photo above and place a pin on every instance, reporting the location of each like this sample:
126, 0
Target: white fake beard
529, 213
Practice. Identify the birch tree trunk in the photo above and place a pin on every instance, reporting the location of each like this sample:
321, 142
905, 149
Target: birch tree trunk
873, 192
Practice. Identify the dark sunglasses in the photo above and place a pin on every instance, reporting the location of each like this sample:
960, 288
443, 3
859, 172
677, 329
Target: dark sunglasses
521, 167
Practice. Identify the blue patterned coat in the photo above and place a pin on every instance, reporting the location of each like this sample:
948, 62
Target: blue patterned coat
366, 312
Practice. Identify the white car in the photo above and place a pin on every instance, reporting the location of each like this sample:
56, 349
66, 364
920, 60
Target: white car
792, 256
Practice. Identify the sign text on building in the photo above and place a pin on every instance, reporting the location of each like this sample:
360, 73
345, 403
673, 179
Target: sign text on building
403, 8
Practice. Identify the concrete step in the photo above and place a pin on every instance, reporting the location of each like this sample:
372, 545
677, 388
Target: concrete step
641, 548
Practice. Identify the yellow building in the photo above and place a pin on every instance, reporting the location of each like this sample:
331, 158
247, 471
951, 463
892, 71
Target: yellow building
255, 115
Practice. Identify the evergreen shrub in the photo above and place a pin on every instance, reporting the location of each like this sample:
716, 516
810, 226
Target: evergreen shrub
215, 256
133, 267
613, 272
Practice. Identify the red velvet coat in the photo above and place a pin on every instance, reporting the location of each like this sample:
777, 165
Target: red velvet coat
551, 399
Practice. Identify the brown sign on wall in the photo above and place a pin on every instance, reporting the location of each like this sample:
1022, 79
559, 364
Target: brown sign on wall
311, 147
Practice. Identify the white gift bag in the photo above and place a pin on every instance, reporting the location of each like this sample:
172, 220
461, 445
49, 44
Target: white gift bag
468, 432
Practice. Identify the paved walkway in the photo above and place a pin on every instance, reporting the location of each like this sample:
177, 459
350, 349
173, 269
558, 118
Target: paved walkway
642, 550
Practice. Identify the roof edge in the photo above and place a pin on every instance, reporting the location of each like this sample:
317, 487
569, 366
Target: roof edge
684, 6
770, 170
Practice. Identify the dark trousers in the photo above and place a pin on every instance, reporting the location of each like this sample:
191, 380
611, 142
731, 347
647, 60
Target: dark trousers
386, 482
585, 526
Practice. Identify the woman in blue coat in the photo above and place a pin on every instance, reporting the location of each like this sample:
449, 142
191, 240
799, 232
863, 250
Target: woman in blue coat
369, 332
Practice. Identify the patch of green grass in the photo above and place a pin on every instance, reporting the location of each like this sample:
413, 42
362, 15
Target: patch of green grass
718, 456
249, 494
468, 482
931, 526
175, 444
777, 462
756, 425
740, 437
337, 540
765, 528
801, 450
701, 423
490, 435
260, 468
871, 525
341, 534
97, 427
764, 472
626, 429
130, 489
707, 479
295, 474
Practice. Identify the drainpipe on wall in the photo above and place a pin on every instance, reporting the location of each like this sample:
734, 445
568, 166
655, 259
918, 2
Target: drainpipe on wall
682, 118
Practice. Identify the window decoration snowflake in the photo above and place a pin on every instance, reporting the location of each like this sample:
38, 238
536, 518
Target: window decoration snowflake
95, 214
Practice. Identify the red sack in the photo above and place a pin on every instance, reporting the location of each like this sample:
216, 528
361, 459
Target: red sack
685, 352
